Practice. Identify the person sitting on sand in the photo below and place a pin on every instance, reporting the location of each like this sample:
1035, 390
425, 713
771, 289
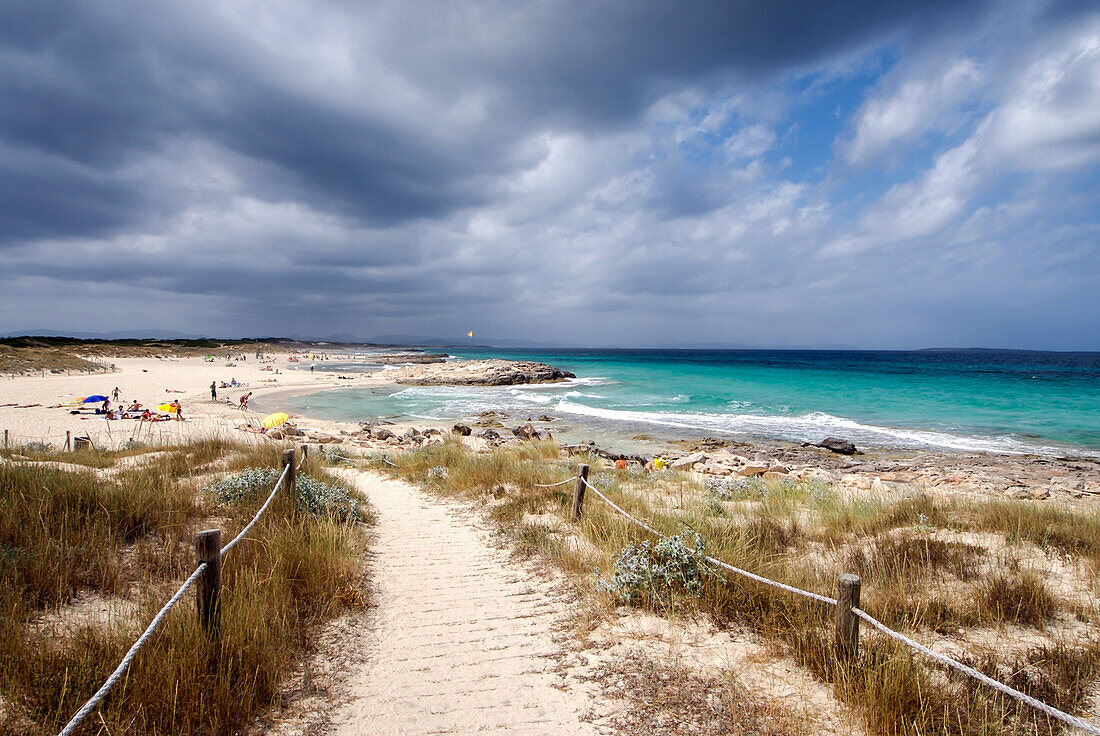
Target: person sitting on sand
620, 464
244, 400
134, 406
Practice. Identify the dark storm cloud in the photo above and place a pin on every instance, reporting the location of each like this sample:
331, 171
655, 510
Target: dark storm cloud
101, 84
604, 61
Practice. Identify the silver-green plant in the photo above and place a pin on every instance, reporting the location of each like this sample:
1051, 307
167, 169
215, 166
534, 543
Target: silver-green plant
659, 571
311, 495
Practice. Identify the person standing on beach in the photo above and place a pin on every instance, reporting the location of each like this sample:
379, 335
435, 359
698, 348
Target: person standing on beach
213, 390
179, 410
244, 401
116, 393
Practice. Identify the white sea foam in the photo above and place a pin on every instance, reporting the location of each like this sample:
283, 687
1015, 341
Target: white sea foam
814, 426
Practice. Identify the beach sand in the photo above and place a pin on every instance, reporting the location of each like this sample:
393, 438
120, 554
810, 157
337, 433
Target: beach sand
152, 382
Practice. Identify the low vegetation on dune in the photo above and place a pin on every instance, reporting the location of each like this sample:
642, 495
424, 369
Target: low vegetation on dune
44, 354
91, 546
1010, 587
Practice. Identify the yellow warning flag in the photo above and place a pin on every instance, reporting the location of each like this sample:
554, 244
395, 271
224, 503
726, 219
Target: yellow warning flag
470, 333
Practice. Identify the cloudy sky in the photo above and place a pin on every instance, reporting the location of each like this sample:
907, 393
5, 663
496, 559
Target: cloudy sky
883, 173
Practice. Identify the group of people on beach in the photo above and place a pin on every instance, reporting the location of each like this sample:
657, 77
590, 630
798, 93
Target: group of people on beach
243, 401
135, 410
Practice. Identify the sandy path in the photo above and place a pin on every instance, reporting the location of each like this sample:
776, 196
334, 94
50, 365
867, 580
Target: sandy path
461, 638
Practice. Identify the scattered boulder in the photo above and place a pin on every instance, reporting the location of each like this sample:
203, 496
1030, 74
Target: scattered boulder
461, 430
752, 469
380, 433
275, 434
688, 461
489, 434
545, 418
530, 432
837, 445
1031, 494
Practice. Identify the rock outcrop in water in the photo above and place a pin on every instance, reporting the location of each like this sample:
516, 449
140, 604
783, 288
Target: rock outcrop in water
478, 373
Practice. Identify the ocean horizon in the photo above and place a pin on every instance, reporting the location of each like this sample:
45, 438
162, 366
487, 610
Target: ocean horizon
972, 400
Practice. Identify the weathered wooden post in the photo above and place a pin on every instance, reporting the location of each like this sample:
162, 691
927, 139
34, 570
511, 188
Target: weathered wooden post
5, 439
68, 440
578, 491
305, 452
291, 480
847, 623
208, 548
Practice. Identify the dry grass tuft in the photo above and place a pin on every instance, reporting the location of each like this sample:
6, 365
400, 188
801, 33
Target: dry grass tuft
1016, 598
660, 698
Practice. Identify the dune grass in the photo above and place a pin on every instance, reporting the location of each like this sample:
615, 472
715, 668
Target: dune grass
129, 537
921, 573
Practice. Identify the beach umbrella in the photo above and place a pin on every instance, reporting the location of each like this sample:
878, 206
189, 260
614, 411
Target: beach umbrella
274, 420
97, 399
167, 407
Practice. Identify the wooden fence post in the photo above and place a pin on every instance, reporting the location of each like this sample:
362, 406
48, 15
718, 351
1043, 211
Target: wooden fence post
208, 546
578, 491
68, 440
5, 439
305, 452
847, 623
291, 478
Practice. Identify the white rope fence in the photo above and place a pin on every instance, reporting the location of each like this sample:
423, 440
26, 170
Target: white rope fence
941, 658
559, 483
125, 663
114, 677
984, 679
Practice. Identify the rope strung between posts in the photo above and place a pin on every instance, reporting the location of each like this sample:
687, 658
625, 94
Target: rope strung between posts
984, 679
559, 483
941, 658
125, 663
259, 513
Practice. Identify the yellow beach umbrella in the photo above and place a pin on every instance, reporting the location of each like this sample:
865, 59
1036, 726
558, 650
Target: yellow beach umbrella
274, 420
168, 408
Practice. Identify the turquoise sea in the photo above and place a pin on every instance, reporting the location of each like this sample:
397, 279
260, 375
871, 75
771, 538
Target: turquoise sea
996, 401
